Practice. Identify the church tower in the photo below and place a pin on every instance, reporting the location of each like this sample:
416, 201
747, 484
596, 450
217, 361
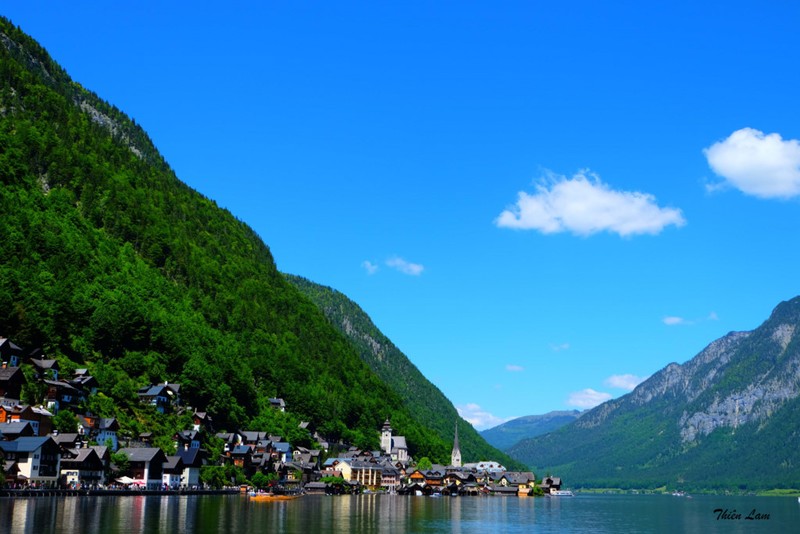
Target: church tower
455, 456
386, 437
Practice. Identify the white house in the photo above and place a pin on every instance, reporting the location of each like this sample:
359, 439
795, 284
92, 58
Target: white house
36, 459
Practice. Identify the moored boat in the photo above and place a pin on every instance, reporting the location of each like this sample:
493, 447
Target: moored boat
270, 497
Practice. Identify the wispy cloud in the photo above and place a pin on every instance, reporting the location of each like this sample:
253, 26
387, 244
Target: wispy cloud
584, 205
514, 368
405, 267
587, 398
674, 320
558, 347
370, 267
627, 382
478, 417
757, 164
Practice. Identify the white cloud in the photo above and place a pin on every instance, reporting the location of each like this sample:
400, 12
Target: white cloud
405, 267
584, 205
758, 164
478, 417
587, 398
673, 320
559, 347
514, 368
370, 267
627, 382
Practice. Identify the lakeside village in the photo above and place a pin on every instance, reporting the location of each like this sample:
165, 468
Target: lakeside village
37, 458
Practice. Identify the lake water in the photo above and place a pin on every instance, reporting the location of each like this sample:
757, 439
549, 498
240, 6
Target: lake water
386, 513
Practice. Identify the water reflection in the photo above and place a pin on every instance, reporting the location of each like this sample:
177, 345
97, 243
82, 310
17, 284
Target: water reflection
383, 513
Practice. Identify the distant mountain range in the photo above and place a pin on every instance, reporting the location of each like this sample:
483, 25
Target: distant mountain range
506, 435
727, 418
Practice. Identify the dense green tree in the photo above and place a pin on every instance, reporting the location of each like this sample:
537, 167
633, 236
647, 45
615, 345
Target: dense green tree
112, 264
424, 463
65, 422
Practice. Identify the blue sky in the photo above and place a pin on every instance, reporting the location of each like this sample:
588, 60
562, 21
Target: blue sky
540, 203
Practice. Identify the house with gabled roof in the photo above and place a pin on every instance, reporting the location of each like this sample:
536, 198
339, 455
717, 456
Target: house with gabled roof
104, 454
187, 439
12, 430
82, 467
281, 451
193, 460
338, 467
11, 381
85, 382
10, 353
230, 440
43, 368
550, 483
62, 394
201, 420
39, 418
241, 456
146, 465
390, 477
68, 440
306, 456
158, 395
173, 472
251, 437
37, 458
522, 481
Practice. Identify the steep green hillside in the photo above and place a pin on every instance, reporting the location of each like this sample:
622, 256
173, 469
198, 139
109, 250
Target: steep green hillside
512, 432
111, 263
423, 400
727, 419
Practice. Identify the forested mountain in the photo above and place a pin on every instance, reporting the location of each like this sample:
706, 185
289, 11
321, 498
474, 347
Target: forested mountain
728, 418
507, 434
110, 262
424, 400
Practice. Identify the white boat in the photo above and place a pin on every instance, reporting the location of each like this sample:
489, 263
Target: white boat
561, 493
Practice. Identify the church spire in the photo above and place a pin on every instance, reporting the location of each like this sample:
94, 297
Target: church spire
455, 456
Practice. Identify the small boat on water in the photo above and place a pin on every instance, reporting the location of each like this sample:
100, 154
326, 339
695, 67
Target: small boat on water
271, 497
561, 493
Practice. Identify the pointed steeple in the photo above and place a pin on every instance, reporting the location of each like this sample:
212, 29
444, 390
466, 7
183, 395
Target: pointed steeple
455, 456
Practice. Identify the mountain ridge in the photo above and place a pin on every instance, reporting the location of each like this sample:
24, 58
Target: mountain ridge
505, 435
720, 419
422, 397
117, 266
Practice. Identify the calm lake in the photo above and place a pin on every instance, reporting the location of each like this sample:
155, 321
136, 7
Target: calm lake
386, 513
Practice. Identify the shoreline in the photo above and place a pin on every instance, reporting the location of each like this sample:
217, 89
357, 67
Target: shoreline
43, 492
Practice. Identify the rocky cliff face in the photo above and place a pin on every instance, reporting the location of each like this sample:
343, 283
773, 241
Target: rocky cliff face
741, 392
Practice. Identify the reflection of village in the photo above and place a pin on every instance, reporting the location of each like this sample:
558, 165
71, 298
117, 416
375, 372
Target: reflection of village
36, 456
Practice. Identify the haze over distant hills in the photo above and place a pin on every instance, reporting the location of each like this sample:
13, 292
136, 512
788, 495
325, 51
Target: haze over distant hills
507, 434
729, 417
